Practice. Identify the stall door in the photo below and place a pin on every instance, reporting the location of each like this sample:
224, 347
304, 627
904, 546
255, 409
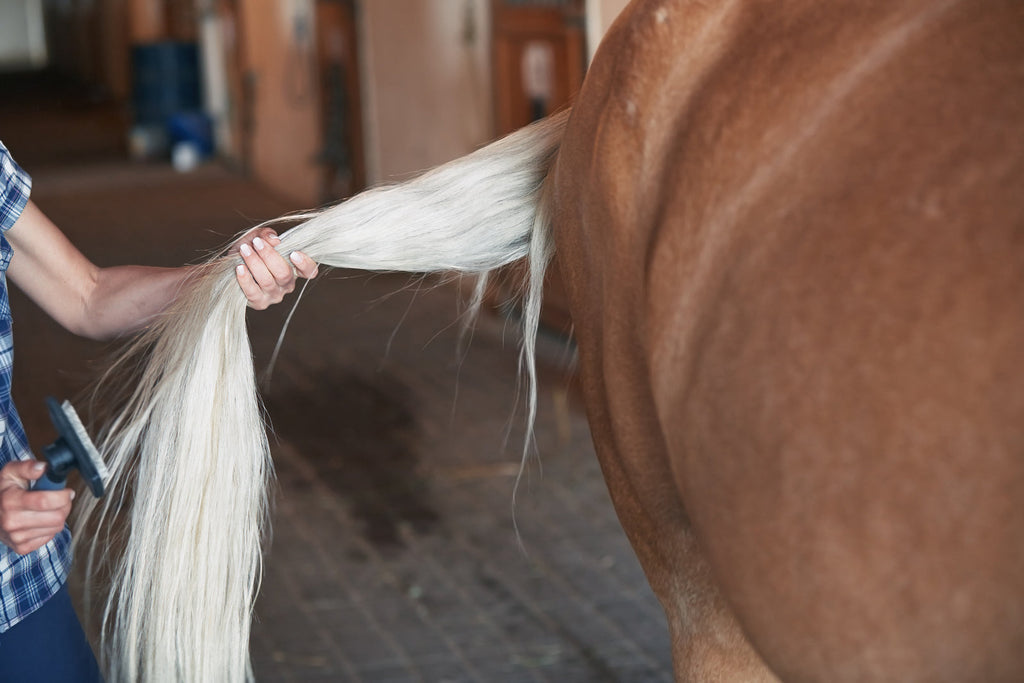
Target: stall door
539, 63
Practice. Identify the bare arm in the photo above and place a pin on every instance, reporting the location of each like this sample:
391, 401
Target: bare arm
101, 303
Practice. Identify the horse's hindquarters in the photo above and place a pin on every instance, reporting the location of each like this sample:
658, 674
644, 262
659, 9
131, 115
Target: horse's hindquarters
603, 210
791, 239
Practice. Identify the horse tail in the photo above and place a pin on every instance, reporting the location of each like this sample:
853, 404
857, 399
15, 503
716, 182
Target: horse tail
187, 447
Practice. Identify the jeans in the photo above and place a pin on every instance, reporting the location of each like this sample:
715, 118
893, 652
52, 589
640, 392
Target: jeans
48, 645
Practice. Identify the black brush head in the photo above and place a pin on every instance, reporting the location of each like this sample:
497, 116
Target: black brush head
73, 448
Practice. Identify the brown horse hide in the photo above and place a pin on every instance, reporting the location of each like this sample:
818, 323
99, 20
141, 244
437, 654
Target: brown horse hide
793, 238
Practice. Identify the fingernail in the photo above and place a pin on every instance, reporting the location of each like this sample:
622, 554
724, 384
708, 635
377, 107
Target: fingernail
240, 269
39, 466
72, 495
246, 251
258, 243
274, 238
296, 258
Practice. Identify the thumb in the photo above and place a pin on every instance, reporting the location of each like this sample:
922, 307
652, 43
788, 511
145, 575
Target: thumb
22, 472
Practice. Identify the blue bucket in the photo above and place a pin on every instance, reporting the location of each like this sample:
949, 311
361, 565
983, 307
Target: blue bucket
191, 127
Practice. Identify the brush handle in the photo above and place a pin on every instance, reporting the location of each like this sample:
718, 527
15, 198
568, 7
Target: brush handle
60, 460
44, 483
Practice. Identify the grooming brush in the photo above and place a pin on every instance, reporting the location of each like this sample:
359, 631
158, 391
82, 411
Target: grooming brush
73, 450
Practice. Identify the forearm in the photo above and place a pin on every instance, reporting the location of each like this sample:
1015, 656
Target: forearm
124, 299
101, 303
94, 302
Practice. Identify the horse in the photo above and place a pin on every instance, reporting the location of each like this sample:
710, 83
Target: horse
792, 239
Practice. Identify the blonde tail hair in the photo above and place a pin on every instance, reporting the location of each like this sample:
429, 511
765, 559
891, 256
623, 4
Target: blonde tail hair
179, 536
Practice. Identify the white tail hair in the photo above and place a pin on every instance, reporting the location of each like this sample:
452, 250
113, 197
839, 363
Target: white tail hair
179, 537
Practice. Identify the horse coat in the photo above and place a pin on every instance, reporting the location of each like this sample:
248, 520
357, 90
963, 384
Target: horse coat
793, 236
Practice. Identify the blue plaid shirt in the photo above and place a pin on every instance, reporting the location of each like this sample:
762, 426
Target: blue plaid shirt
26, 581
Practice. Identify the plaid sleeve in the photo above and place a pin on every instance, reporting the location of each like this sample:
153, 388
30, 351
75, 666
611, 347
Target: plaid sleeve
15, 186
26, 581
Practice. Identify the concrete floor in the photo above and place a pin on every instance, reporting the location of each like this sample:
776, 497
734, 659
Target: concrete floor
395, 554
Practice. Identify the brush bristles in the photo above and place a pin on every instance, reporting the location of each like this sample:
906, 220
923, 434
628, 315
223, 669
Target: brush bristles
83, 438
188, 452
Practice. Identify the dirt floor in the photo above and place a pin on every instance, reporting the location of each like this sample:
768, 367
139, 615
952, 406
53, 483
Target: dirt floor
395, 554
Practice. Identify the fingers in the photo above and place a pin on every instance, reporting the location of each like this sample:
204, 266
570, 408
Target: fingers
267, 267
29, 519
24, 541
306, 266
43, 502
21, 473
24, 547
265, 276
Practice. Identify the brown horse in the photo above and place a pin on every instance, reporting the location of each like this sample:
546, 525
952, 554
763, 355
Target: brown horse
793, 239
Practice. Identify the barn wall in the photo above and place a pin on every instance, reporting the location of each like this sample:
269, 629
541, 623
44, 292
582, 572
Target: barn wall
427, 83
282, 82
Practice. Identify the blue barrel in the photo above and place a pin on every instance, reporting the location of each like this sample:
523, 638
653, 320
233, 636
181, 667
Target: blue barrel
165, 80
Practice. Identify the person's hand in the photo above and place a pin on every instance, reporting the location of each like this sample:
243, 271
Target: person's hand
29, 519
265, 276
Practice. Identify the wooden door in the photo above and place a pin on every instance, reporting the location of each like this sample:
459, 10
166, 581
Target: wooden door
341, 154
539, 64
539, 58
